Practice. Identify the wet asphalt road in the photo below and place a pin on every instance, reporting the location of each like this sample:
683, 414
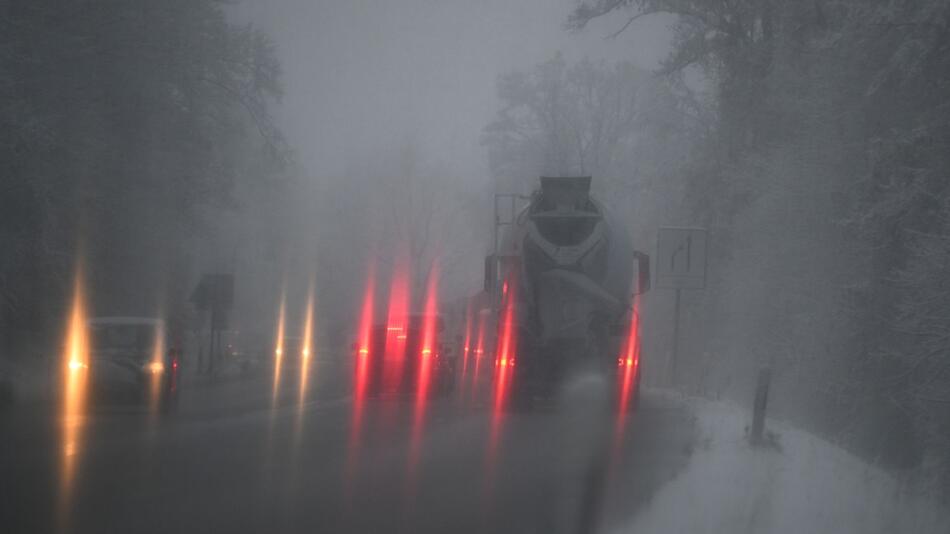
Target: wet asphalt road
232, 460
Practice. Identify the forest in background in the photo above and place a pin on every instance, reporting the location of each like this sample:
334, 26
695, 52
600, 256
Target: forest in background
132, 134
137, 140
821, 171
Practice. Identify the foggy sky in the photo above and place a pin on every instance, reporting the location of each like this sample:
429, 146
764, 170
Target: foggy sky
363, 75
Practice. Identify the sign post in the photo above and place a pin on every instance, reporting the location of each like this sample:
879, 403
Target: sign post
214, 293
680, 264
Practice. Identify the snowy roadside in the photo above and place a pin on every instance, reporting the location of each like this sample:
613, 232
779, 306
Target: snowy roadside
807, 485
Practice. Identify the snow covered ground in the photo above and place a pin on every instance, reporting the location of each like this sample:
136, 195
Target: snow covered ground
807, 485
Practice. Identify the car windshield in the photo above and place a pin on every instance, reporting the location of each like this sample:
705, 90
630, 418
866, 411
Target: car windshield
475, 266
124, 340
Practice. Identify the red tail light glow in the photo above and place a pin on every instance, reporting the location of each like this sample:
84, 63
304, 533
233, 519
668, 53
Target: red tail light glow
466, 347
506, 344
479, 351
627, 377
502, 379
428, 339
361, 374
396, 325
627, 361
629, 357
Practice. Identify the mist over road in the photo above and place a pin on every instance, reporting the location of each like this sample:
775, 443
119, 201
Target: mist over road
229, 462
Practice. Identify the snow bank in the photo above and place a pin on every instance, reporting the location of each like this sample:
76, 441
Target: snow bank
806, 486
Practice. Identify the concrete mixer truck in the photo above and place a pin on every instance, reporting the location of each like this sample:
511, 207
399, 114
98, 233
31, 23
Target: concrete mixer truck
564, 280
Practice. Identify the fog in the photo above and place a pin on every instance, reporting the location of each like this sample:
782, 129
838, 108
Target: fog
474, 266
384, 95
363, 76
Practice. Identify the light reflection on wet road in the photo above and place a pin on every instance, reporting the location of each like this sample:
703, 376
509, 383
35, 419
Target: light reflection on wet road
74, 366
203, 469
428, 352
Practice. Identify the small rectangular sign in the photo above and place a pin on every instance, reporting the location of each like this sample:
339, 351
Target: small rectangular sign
681, 258
214, 291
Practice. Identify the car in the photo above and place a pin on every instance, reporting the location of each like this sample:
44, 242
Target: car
131, 360
392, 363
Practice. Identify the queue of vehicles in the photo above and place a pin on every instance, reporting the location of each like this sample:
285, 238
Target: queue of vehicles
561, 289
396, 359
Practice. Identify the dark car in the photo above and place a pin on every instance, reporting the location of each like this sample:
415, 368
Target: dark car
130, 360
397, 361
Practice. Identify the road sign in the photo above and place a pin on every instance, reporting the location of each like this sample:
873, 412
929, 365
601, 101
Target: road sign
214, 291
681, 258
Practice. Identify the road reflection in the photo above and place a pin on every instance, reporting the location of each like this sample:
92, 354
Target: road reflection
504, 369
279, 352
483, 316
628, 364
75, 381
279, 345
443, 439
396, 327
361, 372
305, 363
305, 358
306, 348
155, 375
428, 353
467, 349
